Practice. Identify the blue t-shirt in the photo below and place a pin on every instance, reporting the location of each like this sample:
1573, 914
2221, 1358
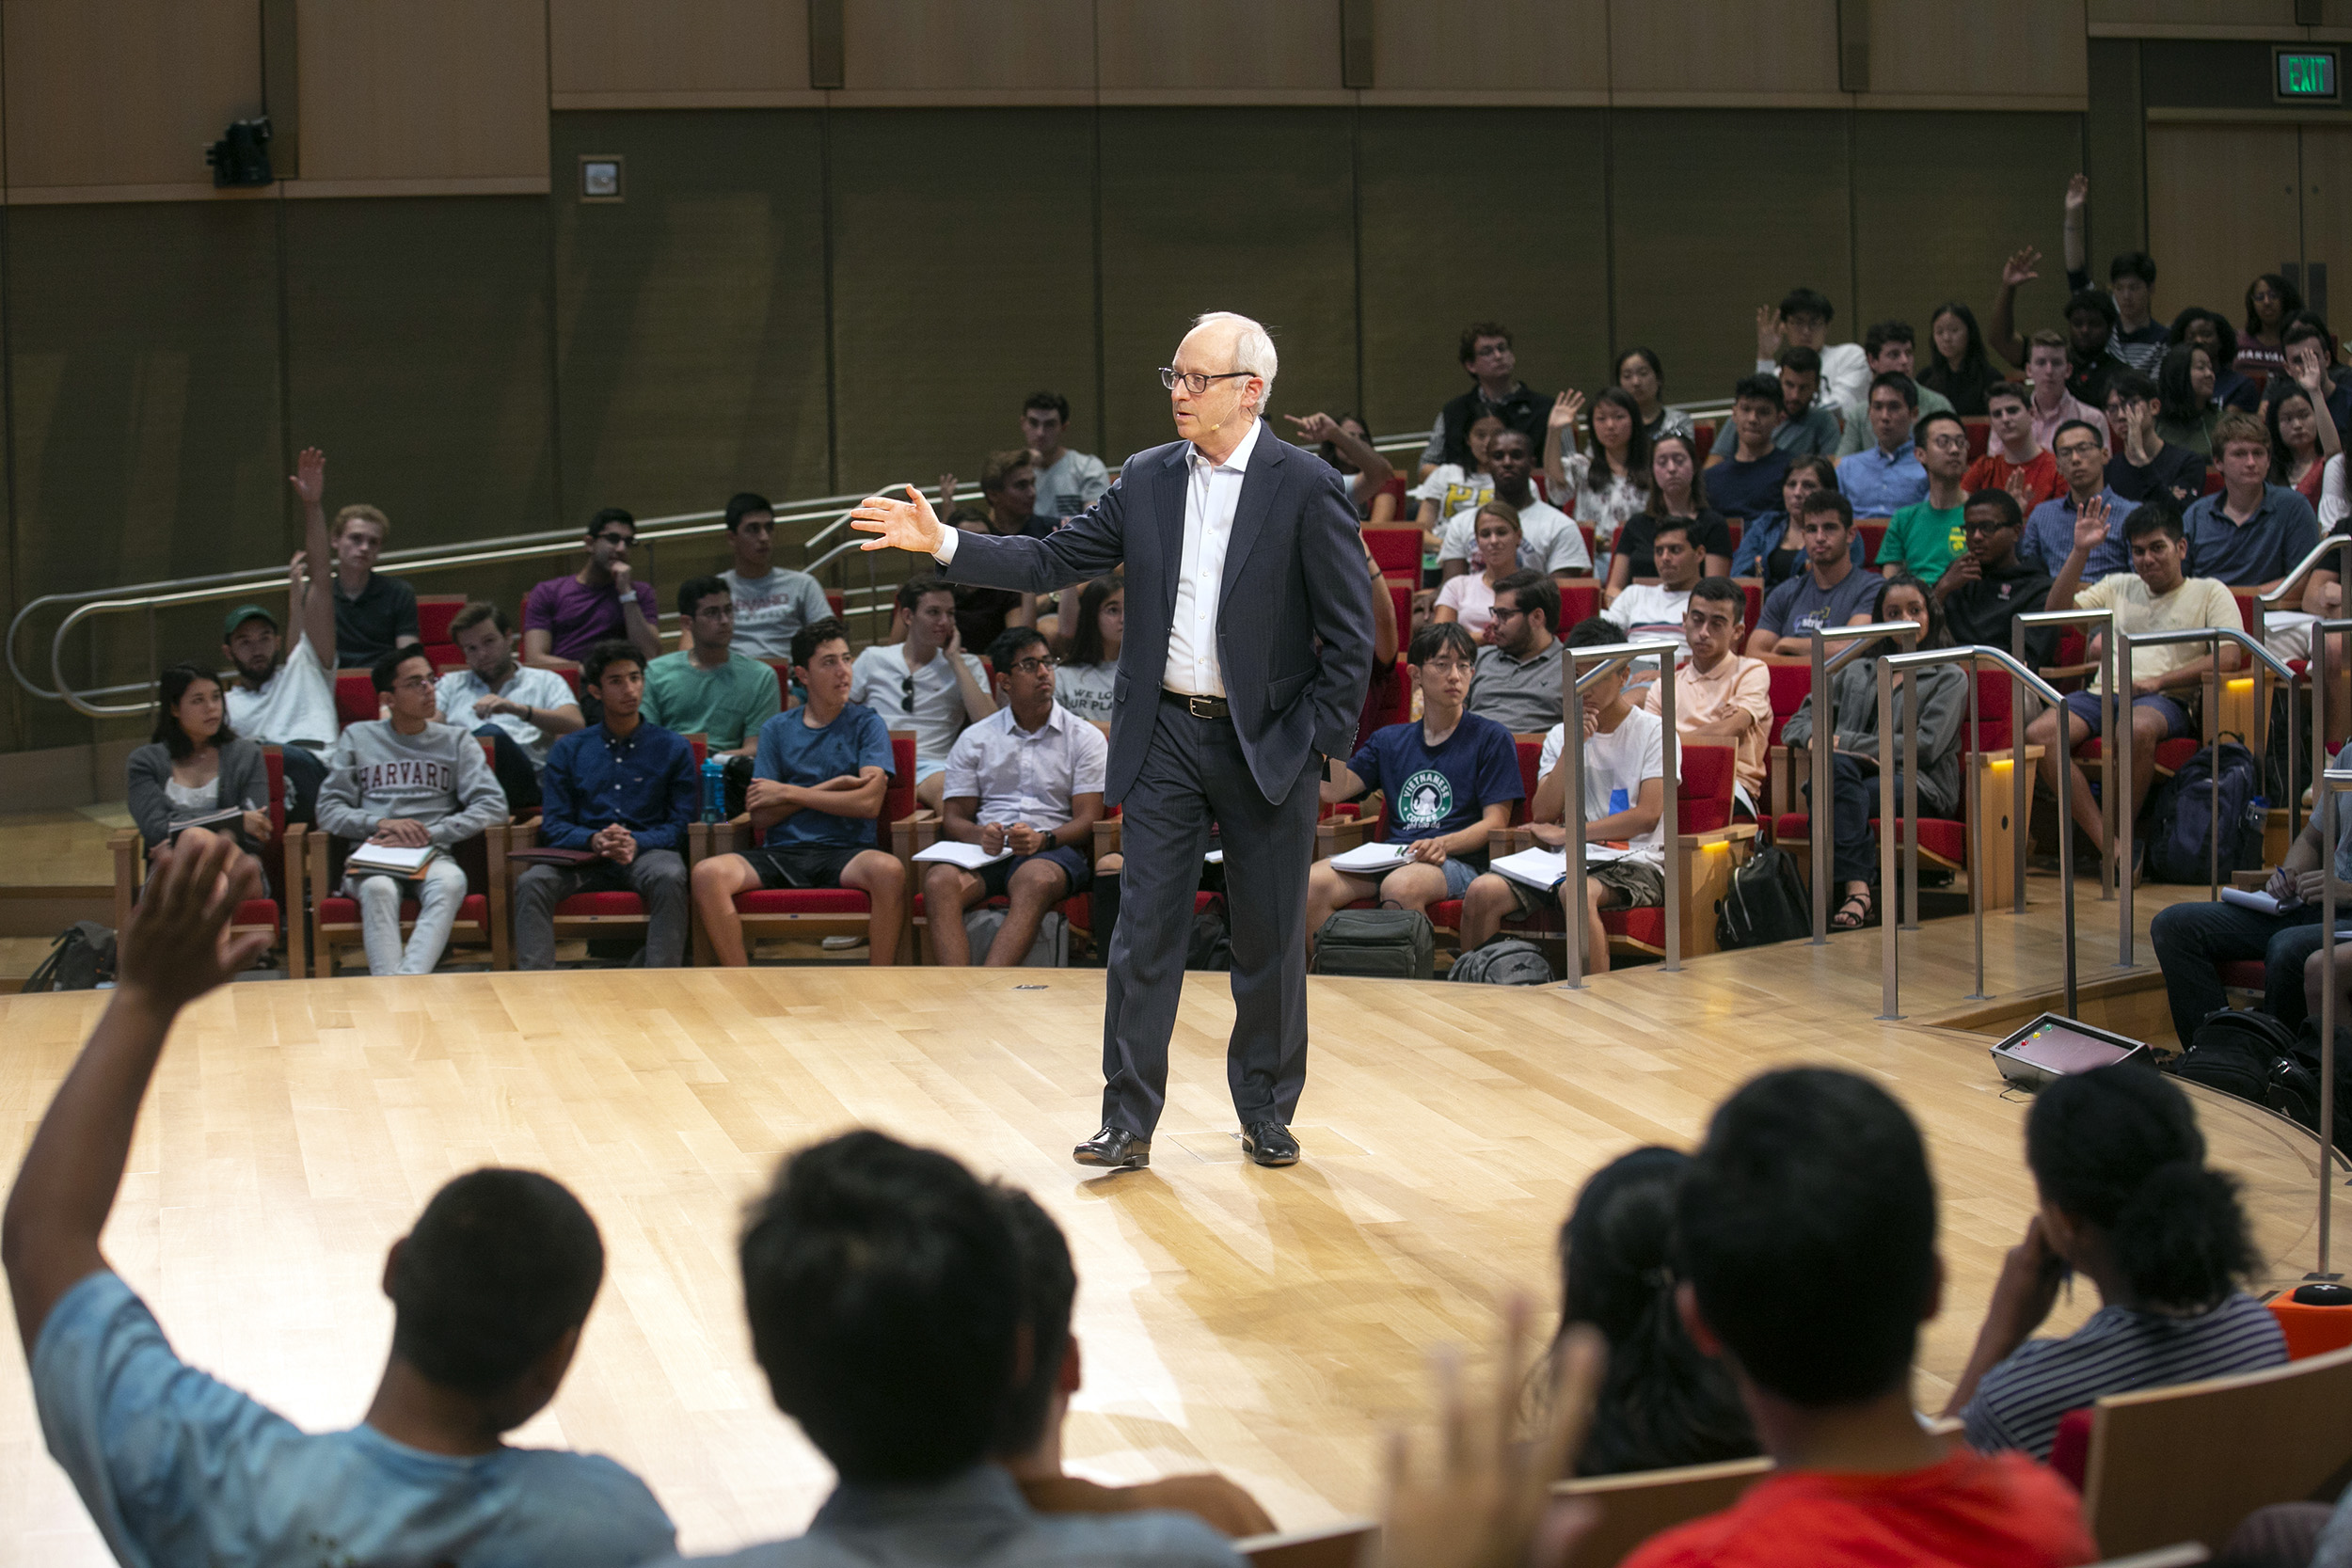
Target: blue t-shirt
1441, 789
1799, 605
792, 753
183, 1471
1742, 490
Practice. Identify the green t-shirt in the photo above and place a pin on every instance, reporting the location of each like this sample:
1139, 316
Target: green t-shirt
728, 703
1923, 541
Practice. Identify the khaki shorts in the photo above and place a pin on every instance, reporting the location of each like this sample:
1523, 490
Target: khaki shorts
1637, 884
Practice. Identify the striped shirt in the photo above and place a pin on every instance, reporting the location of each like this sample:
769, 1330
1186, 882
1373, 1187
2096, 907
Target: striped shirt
2019, 1400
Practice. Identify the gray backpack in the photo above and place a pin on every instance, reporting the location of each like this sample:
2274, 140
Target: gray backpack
1504, 960
1390, 945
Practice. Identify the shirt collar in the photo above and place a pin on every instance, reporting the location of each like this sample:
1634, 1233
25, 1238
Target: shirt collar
1055, 715
1239, 460
984, 1489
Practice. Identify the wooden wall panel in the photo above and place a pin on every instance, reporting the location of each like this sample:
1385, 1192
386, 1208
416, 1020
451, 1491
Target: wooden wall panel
125, 92
1197, 50
1674, 52
1436, 256
426, 89
1701, 243
969, 47
1277, 246
690, 347
1910, 252
1991, 48
963, 280
2327, 181
1491, 49
2221, 208
621, 53
2221, 16
2115, 152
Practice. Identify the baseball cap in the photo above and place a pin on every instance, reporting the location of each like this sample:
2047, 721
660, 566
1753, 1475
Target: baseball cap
239, 617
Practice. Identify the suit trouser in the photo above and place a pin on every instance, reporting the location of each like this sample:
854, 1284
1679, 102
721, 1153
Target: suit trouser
657, 876
1195, 774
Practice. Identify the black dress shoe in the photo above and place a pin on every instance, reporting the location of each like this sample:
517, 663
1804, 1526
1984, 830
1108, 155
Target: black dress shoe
1114, 1148
1270, 1143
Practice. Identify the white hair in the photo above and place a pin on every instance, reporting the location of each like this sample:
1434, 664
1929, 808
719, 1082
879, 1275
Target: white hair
1253, 348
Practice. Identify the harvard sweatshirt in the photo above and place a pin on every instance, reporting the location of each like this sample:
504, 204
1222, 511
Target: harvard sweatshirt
437, 777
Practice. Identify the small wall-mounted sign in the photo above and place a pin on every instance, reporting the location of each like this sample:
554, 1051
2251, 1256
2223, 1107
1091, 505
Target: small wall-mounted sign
2303, 75
600, 177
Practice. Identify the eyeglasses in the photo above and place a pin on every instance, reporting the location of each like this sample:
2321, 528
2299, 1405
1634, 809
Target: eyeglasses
622, 540
1503, 613
1973, 526
1037, 666
1195, 381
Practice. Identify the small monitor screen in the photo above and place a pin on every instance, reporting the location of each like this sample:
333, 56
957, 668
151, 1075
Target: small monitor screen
2060, 1047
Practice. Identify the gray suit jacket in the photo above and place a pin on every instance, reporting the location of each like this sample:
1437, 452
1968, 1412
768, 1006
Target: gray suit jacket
1293, 619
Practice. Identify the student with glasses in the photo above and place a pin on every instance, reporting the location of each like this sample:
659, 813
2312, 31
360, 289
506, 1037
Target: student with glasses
565, 617
928, 682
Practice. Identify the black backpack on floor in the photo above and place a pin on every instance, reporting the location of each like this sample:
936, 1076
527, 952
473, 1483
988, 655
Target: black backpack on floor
2250, 1056
1388, 944
1766, 902
81, 958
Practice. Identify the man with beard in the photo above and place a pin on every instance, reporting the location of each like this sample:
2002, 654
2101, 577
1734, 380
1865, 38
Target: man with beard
285, 696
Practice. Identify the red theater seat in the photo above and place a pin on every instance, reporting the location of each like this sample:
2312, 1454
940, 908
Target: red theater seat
281, 862
336, 923
1397, 551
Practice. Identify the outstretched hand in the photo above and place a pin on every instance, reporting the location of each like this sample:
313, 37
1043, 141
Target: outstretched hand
1313, 429
1566, 410
177, 946
909, 525
2091, 524
2019, 268
2078, 192
310, 476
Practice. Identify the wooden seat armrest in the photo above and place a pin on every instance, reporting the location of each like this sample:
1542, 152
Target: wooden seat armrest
1106, 838
1736, 832
2065, 672
1340, 834
315, 846
129, 851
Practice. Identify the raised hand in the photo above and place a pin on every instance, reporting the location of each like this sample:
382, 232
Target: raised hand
177, 946
2077, 193
1567, 409
297, 573
2016, 485
1768, 339
310, 476
2091, 525
1313, 429
908, 525
2020, 266
946, 493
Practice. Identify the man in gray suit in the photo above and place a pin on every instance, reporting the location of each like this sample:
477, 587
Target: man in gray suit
1248, 644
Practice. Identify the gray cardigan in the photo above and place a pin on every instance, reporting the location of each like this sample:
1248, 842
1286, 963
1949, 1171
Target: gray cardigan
244, 781
1943, 710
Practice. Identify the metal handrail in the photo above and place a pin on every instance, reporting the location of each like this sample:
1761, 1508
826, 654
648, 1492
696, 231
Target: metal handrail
2332, 782
1603, 658
1973, 654
2338, 543
1824, 741
2020, 625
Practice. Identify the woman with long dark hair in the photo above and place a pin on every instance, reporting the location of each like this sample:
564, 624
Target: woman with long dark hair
1958, 366
2270, 299
1643, 377
1608, 481
1084, 682
1677, 491
2185, 412
2128, 1201
2211, 331
1661, 1404
2302, 442
194, 766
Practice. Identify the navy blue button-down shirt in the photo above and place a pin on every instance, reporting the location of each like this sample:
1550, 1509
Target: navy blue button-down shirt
2262, 549
593, 777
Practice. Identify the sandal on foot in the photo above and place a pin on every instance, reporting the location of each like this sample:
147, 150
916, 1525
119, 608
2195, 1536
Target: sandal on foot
1853, 912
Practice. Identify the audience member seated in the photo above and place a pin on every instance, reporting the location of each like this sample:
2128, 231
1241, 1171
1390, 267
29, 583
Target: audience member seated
1608, 481
408, 783
1832, 591
1882, 479
563, 618
1449, 780
2217, 336
1806, 1236
1859, 751
1008, 487
1892, 351
1721, 697
771, 602
1064, 482
1087, 684
489, 1293
1642, 377
819, 780
1029, 1442
1495, 389
1625, 805
2127, 1201
2013, 460
1650, 611
2050, 528
1517, 679
2051, 404
2272, 302
1802, 320
2145, 463
283, 696
981, 613
622, 790
1958, 367
1345, 443
884, 1288
2309, 363
2193, 940
1772, 544
1981, 594
2138, 339
1743, 476
2091, 362
1807, 429
1677, 492
1469, 597
1447, 488
706, 687
2250, 534
193, 767
928, 682
520, 709
2185, 410
1661, 1404
1927, 536
2301, 442
2156, 594
1028, 779
373, 613
1549, 540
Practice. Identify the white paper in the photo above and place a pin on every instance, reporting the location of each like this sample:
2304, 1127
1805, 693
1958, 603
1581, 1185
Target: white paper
2254, 899
397, 859
1546, 869
956, 852
1214, 857
1371, 857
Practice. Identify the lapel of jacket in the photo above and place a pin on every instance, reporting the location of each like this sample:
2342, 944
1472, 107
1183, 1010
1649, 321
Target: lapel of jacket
1257, 484
1168, 499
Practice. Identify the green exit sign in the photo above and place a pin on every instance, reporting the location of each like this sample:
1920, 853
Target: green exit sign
2305, 76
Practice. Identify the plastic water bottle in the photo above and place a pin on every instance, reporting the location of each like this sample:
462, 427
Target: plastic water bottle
714, 790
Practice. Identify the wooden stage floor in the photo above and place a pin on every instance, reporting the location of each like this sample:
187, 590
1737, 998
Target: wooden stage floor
1269, 1324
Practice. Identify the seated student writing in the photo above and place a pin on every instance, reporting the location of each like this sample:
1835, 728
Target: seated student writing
884, 1288
1805, 1235
1029, 1443
489, 1293
1625, 801
2127, 1200
817, 783
1027, 778
1448, 778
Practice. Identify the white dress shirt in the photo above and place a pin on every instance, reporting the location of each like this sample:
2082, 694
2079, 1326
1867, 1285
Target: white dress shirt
1029, 776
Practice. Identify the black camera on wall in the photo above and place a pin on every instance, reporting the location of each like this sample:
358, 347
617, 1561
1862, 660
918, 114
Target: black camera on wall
242, 156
